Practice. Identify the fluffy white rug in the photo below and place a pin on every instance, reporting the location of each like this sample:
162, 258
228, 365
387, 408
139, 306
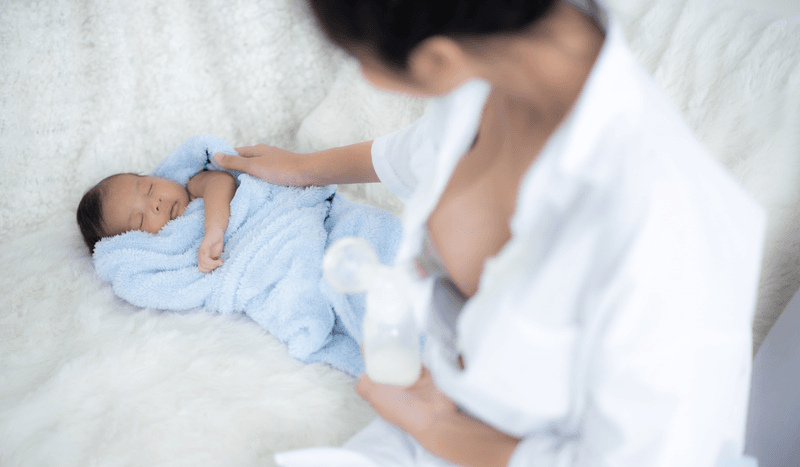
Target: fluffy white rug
96, 87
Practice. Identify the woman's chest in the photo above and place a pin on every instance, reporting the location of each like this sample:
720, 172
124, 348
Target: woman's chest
468, 226
471, 221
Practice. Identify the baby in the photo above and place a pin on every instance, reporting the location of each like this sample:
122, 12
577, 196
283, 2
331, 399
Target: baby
275, 239
124, 202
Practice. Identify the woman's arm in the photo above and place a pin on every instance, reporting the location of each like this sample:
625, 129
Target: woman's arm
217, 189
466, 441
347, 164
425, 413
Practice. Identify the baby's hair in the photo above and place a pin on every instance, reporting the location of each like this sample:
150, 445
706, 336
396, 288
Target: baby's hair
90, 212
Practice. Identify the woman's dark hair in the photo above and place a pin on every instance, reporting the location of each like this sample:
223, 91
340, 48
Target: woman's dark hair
393, 28
90, 213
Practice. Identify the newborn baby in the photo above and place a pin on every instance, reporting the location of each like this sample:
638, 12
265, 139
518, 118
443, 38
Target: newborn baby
124, 202
155, 237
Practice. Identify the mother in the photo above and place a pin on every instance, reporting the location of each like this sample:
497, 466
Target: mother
607, 264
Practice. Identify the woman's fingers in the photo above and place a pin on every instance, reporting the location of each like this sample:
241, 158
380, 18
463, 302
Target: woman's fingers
258, 166
227, 161
250, 164
274, 165
254, 151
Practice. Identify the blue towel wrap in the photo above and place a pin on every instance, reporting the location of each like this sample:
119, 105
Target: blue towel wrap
272, 259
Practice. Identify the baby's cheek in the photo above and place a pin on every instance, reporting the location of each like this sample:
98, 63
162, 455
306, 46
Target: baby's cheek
158, 225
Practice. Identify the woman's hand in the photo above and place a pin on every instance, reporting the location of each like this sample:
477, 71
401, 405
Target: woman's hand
275, 165
425, 413
347, 164
414, 409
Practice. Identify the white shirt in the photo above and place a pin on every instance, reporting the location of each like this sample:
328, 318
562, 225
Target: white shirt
614, 327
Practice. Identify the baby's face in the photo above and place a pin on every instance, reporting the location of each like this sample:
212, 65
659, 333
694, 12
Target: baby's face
132, 202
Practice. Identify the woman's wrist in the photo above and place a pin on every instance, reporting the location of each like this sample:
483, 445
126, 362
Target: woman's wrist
308, 170
347, 164
299, 169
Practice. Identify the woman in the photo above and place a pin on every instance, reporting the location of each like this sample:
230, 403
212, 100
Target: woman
607, 264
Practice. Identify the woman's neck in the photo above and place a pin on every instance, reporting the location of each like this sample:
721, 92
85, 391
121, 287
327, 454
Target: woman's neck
540, 74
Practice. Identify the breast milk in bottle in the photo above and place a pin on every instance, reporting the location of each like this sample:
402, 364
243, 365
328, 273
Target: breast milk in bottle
391, 338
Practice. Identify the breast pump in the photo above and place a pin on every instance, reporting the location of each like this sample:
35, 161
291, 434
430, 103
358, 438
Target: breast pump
391, 345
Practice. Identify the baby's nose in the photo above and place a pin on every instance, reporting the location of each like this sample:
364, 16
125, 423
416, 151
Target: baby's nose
156, 203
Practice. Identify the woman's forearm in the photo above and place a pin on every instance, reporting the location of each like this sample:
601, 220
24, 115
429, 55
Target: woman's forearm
347, 164
427, 414
463, 440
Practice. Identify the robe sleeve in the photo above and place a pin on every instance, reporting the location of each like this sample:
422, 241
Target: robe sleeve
391, 157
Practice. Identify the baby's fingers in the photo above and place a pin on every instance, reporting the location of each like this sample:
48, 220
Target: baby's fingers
215, 250
206, 263
209, 265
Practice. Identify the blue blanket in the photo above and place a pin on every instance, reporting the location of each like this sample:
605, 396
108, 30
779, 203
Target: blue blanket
272, 259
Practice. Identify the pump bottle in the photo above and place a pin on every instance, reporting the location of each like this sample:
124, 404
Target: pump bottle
391, 339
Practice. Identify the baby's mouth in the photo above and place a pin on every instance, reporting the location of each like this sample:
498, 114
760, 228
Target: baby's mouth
173, 210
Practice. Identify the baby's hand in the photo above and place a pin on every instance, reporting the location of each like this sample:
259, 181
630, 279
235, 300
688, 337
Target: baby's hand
210, 250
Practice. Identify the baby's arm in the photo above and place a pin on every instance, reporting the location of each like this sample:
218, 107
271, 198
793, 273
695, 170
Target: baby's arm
217, 189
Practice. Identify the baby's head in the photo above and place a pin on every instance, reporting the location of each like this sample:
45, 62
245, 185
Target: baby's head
125, 202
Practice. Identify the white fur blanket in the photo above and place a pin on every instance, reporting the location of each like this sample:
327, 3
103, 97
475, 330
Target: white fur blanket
90, 88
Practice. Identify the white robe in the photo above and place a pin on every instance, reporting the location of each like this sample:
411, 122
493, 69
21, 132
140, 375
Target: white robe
614, 327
